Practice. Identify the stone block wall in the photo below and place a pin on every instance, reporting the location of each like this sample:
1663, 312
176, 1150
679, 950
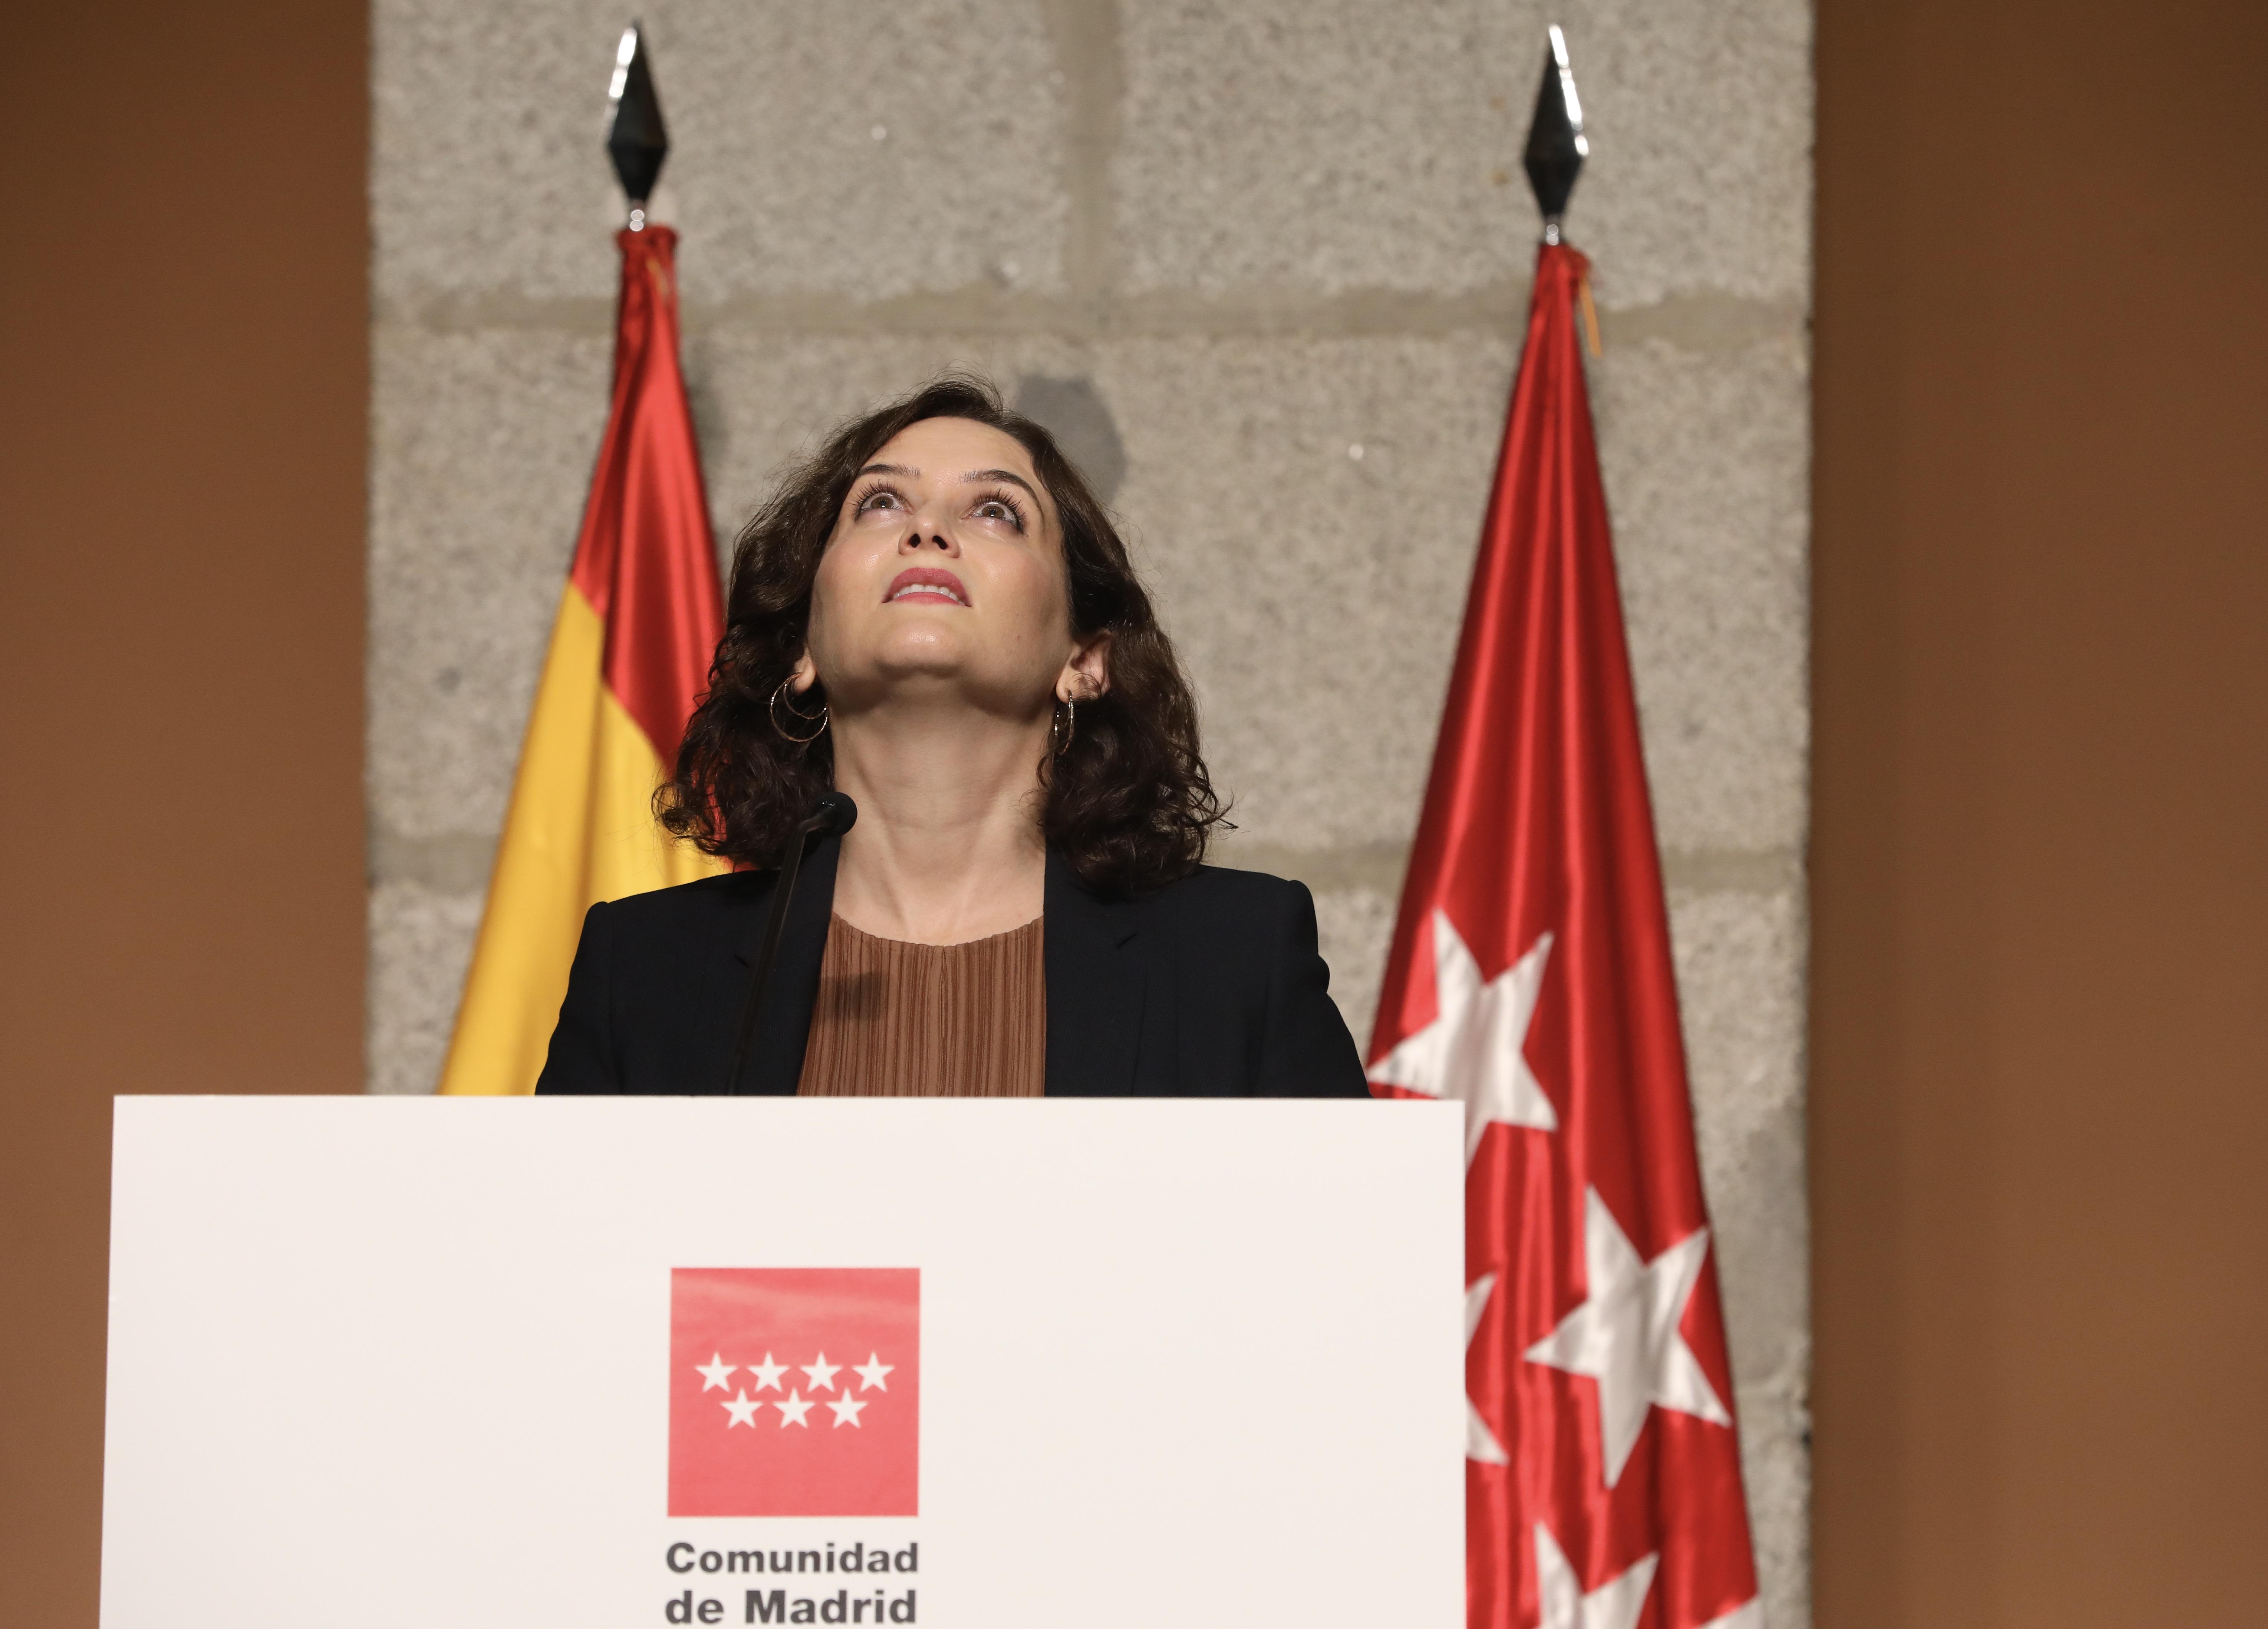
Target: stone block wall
1263, 263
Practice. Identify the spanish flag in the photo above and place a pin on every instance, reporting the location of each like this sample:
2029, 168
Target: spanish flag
637, 623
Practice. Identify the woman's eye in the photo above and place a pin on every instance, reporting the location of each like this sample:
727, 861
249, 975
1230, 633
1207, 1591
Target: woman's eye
999, 508
884, 499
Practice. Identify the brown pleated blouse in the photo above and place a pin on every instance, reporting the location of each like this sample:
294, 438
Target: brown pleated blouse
899, 1020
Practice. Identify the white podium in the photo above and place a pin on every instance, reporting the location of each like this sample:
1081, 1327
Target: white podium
575, 1362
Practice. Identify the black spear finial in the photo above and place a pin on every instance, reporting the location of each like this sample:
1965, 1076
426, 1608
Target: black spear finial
1555, 144
637, 139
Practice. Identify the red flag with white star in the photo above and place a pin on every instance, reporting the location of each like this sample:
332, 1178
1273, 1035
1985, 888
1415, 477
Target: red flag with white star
762, 1421
1530, 979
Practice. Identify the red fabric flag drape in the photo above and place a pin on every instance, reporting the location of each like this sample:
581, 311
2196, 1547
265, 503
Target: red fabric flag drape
1530, 976
646, 560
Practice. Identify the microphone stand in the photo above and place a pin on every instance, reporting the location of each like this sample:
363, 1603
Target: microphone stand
831, 815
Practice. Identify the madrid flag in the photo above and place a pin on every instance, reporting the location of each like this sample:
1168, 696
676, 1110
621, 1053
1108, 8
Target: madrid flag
637, 623
796, 1458
1530, 978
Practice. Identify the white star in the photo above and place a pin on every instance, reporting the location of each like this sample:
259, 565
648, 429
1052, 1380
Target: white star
768, 1373
870, 1373
1613, 1605
714, 1371
1624, 1336
821, 1373
1471, 1051
1480, 1442
743, 1410
792, 1411
846, 1411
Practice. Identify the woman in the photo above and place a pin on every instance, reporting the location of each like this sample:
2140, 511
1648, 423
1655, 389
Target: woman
934, 616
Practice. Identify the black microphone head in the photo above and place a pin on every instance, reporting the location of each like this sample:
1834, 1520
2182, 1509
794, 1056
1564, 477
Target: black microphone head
832, 814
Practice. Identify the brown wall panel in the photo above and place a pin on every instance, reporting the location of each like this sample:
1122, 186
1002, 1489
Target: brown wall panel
2040, 858
182, 386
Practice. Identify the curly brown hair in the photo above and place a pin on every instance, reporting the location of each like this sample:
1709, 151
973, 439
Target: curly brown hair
1128, 803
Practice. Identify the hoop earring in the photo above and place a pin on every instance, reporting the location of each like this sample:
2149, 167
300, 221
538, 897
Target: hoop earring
1062, 726
773, 708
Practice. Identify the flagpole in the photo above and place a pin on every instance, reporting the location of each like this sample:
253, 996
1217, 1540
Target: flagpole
1557, 145
637, 139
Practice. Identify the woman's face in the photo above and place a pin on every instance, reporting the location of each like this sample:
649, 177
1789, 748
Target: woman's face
944, 580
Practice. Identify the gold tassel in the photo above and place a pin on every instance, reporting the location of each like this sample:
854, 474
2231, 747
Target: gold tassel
1590, 316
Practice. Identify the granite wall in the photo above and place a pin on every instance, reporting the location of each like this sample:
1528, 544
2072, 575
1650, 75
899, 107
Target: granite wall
1265, 265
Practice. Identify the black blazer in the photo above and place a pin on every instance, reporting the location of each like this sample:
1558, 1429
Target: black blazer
1210, 987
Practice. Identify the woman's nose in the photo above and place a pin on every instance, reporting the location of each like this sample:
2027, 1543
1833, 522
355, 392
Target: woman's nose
926, 536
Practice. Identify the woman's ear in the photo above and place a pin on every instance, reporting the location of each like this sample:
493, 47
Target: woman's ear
1088, 674
804, 674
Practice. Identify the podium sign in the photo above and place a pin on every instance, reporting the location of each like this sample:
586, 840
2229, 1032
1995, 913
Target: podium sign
643, 1361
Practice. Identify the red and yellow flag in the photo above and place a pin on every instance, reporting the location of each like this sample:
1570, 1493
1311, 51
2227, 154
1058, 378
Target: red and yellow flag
629, 654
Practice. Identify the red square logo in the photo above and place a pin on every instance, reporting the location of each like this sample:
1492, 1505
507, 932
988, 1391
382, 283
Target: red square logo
794, 1391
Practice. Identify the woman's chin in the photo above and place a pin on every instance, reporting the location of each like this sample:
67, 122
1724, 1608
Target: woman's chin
923, 646
917, 654
938, 689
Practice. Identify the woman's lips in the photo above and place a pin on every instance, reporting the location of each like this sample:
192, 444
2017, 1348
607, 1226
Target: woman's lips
926, 582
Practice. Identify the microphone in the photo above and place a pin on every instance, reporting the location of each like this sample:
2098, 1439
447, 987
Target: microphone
831, 814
